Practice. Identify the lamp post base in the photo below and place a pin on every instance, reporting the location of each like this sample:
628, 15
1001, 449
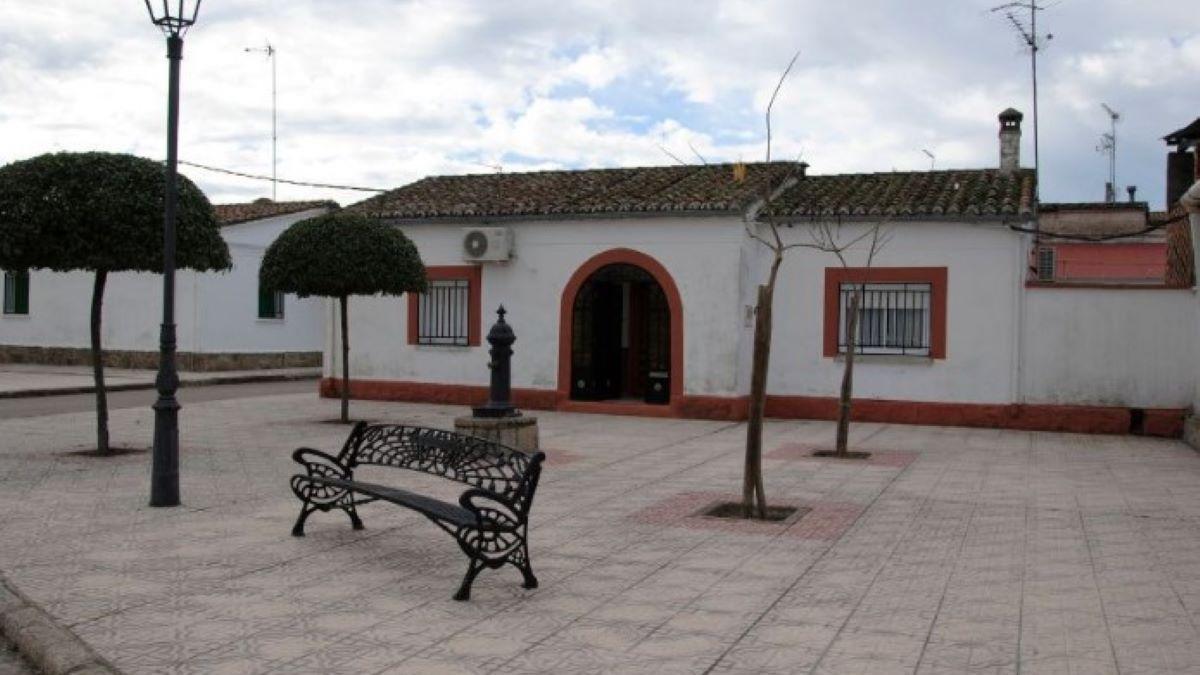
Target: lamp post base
164, 480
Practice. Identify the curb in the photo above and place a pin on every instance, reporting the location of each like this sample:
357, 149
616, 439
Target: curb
136, 386
48, 646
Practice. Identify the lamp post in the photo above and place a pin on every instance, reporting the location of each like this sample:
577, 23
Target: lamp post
174, 19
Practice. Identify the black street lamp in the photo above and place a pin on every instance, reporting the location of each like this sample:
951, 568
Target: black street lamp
174, 19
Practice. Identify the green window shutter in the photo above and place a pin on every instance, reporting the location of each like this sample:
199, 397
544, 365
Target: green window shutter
16, 292
22, 292
266, 300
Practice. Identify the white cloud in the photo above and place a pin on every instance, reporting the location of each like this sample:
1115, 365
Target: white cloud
382, 92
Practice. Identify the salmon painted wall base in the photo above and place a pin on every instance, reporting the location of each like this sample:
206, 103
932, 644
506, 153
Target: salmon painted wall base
1165, 422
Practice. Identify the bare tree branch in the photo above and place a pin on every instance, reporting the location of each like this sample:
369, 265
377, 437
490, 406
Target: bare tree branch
670, 154
775, 94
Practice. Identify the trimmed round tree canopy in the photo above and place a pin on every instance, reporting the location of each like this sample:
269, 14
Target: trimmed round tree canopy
342, 254
101, 211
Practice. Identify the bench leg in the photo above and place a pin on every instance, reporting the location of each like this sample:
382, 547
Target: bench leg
351, 511
305, 512
464, 591
520, 559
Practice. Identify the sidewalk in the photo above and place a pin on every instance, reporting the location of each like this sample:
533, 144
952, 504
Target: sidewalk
18, 380
952, 551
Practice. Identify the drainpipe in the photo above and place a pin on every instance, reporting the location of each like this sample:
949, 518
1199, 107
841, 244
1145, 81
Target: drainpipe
1024, 247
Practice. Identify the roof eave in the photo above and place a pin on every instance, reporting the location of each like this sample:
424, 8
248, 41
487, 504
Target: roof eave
549, 217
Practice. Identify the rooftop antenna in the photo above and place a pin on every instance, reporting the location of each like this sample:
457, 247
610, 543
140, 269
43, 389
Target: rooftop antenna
1108, 146
498, 168
1029, 36
269, 50
932, 158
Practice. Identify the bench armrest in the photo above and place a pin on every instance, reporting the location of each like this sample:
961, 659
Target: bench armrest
492, 509
317, 463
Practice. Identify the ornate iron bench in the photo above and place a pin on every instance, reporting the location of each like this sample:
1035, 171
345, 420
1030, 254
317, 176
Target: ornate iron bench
491, 518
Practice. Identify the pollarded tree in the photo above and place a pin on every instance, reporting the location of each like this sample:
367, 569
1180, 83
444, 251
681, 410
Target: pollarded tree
337, 255
100, 212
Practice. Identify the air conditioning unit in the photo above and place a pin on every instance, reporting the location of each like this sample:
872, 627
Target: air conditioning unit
487, 244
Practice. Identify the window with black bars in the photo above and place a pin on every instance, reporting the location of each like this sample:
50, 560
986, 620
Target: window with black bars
1045, 264
442, 313
270, 304
892, 318
16, 292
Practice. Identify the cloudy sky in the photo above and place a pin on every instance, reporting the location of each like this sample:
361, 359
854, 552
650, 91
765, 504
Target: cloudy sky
378, 93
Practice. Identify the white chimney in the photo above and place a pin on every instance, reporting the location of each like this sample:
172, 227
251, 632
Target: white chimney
1010, 140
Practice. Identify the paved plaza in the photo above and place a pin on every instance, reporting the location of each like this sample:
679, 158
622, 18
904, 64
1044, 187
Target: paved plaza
951, 551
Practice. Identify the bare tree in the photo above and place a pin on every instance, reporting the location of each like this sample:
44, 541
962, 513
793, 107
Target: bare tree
827, 237
754, 498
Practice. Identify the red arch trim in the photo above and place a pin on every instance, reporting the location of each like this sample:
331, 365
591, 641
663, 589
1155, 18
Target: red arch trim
674, 303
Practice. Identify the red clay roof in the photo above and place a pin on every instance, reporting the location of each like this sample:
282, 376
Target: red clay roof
954, 193
706, 188
709, 188
232, 214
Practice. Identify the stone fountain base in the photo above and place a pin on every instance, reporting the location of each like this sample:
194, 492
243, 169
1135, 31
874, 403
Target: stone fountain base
520, 432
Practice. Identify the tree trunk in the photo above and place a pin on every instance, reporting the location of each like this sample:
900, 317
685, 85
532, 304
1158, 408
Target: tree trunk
843, 425
98, 364
754, 498
345, 363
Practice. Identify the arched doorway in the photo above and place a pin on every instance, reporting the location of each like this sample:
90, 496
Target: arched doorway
621, 336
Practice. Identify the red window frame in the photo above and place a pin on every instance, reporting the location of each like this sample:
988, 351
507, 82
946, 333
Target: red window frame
473, 274
934, 276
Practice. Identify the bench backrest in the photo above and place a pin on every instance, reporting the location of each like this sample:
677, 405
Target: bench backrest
466, 459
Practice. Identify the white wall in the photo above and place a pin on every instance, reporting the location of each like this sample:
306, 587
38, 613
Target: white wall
228, 303
701, 254
60, 311
1114, 347
983, 264
215, 312
1076, 346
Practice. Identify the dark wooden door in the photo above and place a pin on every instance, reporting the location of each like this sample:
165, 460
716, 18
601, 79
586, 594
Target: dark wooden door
596, 372
606, 341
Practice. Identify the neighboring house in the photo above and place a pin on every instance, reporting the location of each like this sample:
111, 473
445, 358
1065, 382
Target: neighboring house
224, 321
1121, 243
1099, 243
631, 291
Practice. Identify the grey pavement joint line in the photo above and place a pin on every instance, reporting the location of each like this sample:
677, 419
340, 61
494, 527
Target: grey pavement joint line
883, 564
1024, 556
735, 569
1151, 543
51, 648
816, 561
962, 542
1096, 580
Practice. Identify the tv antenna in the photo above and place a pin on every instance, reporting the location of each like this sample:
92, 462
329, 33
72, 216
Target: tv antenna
1108, 146
932, 158
269, 51
1029, 36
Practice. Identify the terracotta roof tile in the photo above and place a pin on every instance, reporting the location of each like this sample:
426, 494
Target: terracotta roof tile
625, 190
232, 214
961, 193
705, 188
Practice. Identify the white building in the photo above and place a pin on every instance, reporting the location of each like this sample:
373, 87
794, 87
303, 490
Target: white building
632, 291
223, 322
